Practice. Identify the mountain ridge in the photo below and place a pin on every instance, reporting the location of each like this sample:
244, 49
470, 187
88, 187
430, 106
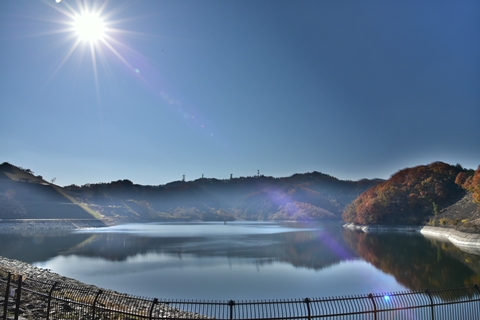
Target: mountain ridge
308, 196
436, 194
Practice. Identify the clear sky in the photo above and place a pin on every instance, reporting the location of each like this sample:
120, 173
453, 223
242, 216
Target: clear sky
354, 89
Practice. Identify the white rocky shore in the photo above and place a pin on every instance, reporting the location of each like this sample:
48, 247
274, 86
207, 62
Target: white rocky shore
34, 307
31, 271
468, 242
382, 228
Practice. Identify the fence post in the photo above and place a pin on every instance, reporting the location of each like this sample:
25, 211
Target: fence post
231, 303
307, 302
431, 303
95, 302
50, 299
154, 302
18, 296
7, 292
374, 306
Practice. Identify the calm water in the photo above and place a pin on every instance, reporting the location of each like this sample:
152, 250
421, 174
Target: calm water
244, 260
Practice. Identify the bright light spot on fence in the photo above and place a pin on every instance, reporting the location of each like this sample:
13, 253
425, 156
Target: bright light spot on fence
386, 298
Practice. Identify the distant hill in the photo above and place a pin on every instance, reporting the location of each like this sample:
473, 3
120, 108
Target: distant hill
437, 194
26, 196
420, 195
310, 196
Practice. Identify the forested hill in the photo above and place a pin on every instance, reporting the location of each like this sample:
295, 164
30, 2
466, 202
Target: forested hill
418, 195
26, 196
438, 194
310, 196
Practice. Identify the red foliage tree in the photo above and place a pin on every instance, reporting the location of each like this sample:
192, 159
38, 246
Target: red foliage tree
408, 197
472, 184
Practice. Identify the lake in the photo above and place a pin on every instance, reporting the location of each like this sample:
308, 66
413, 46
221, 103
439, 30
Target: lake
244, 260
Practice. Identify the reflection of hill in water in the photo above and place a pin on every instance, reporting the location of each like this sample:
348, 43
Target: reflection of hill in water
39, 246
306, 249
414, 261
470, 260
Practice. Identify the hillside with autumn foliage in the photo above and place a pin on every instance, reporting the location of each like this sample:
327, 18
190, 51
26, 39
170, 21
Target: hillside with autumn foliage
418, 195
470, 181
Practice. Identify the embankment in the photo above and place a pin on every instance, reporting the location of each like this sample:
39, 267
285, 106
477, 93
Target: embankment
73, 299
49, 224
468, 242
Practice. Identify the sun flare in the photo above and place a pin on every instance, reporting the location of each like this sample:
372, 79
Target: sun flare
89, 26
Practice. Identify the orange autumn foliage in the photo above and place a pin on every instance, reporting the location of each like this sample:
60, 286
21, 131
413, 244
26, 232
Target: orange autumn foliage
471, 183
408, 197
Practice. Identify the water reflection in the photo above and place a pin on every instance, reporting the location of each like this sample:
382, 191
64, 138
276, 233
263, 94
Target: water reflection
37, 246
308, 248
284, 260
415, 261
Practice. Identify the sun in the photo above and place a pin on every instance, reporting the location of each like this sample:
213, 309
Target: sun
89, 26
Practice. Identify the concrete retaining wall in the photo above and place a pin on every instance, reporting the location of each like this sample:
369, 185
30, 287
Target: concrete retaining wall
468, 242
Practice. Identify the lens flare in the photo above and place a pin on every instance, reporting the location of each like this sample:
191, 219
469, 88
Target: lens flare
92, 28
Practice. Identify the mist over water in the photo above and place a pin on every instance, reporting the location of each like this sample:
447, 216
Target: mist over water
245, 260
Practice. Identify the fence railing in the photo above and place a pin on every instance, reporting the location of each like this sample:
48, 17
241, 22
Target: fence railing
35, 299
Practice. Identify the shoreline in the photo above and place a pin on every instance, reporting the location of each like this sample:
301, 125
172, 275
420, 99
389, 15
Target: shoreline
9, 225
468, 242
32, 306
30, 271
382, 228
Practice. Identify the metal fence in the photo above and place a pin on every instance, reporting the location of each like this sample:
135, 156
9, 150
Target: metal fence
26, 298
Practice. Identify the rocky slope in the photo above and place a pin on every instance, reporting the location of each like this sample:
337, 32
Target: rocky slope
463, 215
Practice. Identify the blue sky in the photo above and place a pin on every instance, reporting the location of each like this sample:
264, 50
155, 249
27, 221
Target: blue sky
354, 89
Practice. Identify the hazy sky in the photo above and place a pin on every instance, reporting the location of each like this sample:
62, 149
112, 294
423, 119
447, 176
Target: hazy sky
354, 89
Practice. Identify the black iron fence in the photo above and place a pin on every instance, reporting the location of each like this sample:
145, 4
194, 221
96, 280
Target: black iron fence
29, 298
